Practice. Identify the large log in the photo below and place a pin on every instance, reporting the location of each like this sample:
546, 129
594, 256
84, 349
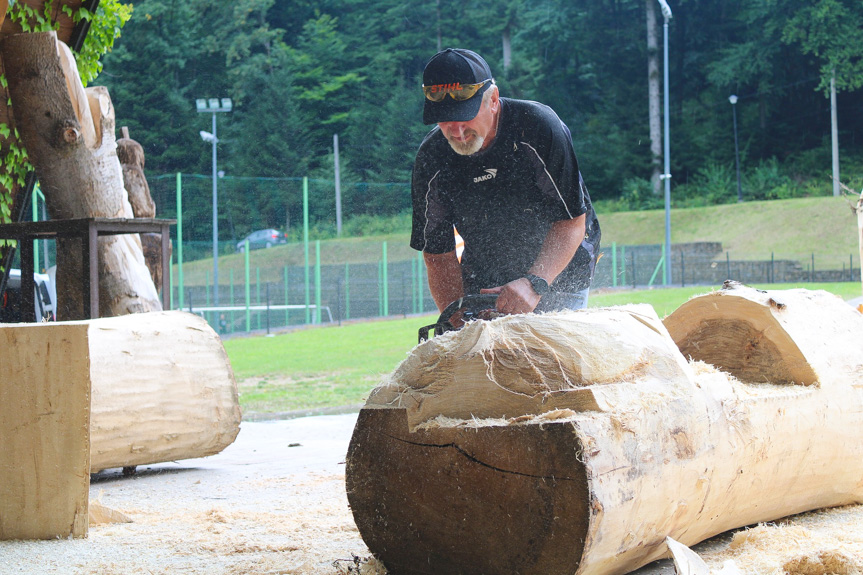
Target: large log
68, 132
161, 385
575, 443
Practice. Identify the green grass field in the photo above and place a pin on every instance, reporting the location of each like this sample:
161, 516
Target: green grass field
332, 368
786, 229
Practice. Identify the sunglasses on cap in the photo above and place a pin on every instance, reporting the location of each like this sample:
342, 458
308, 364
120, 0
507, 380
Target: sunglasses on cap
457, 91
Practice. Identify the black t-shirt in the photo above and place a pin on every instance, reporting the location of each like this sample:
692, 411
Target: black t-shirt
504, 199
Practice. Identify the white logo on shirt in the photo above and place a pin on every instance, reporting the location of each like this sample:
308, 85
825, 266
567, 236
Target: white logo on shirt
489, 174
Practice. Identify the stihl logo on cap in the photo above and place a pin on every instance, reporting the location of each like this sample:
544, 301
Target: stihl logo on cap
445, 88
489, 174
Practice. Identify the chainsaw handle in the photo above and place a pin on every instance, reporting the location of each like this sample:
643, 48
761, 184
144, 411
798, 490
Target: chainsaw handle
471, 305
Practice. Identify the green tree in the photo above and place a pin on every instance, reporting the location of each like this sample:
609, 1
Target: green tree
830, 30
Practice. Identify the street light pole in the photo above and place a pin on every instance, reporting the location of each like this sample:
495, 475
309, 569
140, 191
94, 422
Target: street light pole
214, 105
666, 152
733, 100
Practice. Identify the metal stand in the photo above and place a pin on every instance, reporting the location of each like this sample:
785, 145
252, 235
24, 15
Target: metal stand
89, 230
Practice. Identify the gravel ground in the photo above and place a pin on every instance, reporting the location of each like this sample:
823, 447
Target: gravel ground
272, 502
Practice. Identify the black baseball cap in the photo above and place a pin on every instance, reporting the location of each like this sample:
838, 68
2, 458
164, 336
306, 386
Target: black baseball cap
455, 66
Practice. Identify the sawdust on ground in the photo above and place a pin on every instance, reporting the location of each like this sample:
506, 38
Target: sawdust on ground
274, 502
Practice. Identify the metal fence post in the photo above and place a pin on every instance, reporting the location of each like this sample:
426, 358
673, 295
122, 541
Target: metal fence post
386, 294
248, 290
682, 269
287, 310
318, 281
231, 275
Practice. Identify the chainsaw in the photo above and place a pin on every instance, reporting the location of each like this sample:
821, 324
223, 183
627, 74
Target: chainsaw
473, 306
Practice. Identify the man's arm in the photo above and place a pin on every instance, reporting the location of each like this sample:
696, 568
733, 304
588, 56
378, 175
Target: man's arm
444, 274
558, 248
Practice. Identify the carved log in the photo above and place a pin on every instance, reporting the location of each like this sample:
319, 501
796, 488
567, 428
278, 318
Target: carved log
69, 135
575, 443
131, 156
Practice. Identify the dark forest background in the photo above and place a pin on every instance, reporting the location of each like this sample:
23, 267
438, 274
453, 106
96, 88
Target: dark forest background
299, 72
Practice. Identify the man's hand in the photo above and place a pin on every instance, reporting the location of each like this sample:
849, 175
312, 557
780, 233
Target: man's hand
515, 297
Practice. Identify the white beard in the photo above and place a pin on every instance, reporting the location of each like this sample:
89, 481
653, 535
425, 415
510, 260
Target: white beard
467, 148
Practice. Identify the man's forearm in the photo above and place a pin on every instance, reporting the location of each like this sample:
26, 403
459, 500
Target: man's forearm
558, 248
444, 276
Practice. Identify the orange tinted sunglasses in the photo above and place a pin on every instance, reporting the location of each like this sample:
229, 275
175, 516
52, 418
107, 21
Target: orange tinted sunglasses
457, 91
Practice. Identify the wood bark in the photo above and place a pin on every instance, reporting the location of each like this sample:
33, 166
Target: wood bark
576, 443
69, 135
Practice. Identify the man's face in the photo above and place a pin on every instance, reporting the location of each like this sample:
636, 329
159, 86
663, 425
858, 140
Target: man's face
470, 137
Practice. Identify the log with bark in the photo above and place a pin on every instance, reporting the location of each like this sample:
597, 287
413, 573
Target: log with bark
69, 136
79, 397
577, 442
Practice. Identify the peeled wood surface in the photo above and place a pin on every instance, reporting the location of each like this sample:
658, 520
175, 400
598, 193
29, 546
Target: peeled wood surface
69, 135
163, 390
668, 448
159, 385
44, 414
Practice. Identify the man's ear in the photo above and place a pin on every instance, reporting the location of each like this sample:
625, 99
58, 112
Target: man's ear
494, 102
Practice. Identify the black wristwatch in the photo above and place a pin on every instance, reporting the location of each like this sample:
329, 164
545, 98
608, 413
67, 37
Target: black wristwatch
539, 285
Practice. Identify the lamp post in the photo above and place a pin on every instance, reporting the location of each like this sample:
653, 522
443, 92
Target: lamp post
214, 105
666, 152
733, 100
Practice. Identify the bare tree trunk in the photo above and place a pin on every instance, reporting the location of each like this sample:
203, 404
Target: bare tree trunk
69, 135
859, 211
575, 443
653, 96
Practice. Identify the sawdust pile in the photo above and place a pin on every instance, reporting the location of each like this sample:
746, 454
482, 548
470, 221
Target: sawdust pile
823, 542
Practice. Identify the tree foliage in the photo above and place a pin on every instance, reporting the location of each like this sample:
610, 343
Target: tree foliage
105, 25
300, 72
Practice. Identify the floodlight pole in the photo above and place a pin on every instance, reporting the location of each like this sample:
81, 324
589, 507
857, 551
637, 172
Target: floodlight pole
666, 177
214, 105
733, 100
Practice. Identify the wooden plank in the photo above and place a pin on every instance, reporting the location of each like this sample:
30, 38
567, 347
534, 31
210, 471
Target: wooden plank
44, 420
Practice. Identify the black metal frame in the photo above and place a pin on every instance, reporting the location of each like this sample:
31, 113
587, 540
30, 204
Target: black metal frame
89, 230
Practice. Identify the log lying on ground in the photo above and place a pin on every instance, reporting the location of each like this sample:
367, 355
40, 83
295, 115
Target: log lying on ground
162, 387
163, 390
575, 443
